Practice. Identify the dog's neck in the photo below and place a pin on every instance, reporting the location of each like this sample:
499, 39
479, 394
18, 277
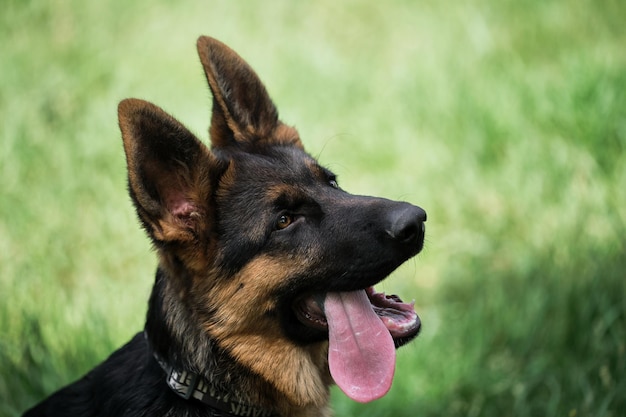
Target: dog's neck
189, 386
174, 335
194, 367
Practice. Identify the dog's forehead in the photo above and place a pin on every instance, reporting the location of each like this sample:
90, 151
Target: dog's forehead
286, 164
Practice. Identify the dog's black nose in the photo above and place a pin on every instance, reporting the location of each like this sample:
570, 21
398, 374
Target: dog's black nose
407, 225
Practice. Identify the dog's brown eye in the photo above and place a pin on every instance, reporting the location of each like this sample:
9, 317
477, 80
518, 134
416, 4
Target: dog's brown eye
283, 221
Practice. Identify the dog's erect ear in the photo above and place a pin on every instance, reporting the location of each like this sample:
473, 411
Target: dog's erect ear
243, 113
170, 172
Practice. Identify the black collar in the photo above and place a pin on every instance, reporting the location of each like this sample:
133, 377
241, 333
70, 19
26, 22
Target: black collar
189, 385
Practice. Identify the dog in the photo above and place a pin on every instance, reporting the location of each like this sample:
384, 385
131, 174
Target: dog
263, 296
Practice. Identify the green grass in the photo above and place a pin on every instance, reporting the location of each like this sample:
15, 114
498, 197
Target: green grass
505, 120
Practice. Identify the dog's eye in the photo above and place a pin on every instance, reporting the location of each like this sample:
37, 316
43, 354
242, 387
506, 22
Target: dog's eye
333, 182
284, 221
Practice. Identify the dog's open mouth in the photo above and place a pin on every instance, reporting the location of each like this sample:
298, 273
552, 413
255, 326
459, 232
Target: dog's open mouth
364, 328
399, 317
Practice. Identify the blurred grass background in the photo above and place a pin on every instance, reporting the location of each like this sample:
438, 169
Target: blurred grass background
505, 120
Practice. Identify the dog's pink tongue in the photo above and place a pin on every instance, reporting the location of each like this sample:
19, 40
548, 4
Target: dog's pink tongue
362, 355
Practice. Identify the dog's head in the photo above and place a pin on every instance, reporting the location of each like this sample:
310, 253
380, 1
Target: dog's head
269, 258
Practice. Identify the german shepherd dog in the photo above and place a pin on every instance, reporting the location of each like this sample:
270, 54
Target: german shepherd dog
264, 294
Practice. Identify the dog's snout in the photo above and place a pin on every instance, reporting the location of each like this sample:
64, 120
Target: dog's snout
407, 225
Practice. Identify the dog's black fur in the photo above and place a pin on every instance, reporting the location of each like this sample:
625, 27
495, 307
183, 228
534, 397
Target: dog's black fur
245, 232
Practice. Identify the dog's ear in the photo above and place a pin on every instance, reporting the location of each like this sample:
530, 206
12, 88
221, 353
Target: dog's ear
170, 172
243, 113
